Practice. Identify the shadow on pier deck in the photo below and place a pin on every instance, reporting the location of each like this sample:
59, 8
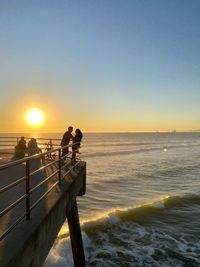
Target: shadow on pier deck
43, 198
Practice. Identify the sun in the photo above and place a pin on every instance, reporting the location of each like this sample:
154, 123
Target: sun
35, 117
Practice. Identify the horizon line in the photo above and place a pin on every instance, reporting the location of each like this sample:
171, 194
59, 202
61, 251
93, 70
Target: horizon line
60, 132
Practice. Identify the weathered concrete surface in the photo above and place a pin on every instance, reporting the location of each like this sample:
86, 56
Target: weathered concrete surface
29, 243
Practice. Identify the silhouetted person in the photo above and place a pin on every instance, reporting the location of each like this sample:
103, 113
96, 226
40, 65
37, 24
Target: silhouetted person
76, 143
21, 149
33, 147
66, 139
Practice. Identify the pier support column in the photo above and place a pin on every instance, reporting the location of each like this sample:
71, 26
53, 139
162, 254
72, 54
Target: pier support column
76, 238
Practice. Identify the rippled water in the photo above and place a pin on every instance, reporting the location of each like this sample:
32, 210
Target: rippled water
142, 205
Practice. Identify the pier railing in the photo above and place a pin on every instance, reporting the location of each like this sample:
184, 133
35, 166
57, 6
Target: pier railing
61, 169
8, 143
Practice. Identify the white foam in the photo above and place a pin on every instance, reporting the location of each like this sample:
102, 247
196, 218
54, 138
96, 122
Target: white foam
60, 255
142, 232
113, 219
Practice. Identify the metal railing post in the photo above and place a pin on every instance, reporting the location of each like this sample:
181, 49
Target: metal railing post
59, 167
28, 190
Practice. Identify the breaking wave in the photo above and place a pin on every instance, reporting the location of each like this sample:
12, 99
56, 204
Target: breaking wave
148, 235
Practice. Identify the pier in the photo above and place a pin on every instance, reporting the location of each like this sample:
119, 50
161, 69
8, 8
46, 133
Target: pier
37, 194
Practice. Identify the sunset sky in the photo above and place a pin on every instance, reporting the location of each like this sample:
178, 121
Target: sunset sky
107, 65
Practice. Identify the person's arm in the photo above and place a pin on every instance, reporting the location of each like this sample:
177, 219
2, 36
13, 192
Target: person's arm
72, 137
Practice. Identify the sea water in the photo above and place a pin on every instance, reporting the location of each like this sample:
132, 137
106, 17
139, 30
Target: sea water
142, 204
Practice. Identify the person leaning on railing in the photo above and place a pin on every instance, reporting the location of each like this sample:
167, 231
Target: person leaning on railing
76, 144
66, 139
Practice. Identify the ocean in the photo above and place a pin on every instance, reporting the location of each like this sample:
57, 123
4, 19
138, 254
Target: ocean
142, 204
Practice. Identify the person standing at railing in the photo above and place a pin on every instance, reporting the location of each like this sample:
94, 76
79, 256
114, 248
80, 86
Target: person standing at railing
67, 137
76, 144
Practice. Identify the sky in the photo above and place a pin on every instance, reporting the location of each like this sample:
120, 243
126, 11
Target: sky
106, 65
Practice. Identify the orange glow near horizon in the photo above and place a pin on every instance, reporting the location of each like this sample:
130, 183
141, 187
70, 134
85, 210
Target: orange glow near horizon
35, 117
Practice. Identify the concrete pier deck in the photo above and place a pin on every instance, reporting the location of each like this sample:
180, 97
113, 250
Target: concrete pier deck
5, 157
28, 244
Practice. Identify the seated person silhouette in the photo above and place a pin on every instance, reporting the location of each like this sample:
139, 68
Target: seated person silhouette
33, 147
20, 148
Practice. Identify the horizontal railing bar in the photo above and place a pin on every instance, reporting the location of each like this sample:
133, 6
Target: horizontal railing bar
50, 164
49, 190
9, 137
12, 205
44, 195
66, 163
6, 149
69, 171
44, 138
44, 167
11, 164
36, 156
49, 177
25, 137
41, 183
12, 226
67, 156
7, 187
36, 171
63, 166
7, 141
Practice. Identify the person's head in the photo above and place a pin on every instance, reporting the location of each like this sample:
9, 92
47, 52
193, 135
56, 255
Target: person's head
33, 142
70, 129
78, 131
22, 137
79, 134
